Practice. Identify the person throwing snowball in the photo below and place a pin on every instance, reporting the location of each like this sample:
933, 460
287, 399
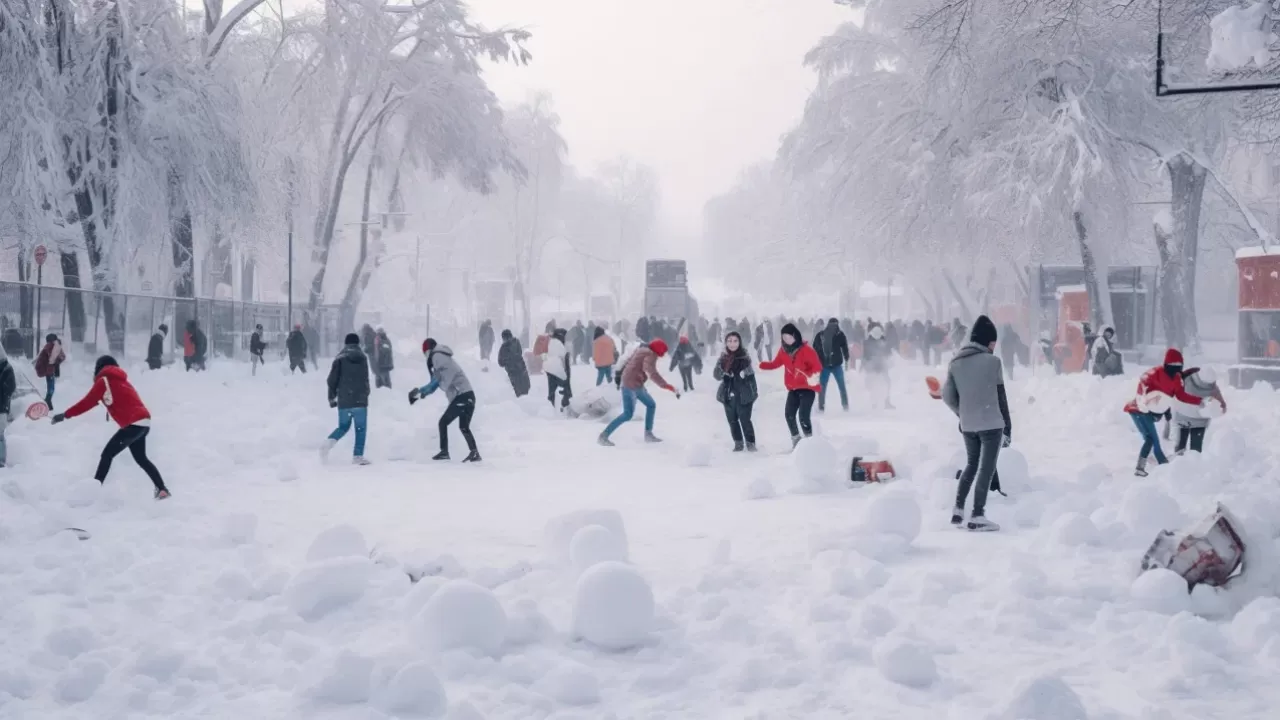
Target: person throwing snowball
446, 374
1156, 389
642, 366
801, 370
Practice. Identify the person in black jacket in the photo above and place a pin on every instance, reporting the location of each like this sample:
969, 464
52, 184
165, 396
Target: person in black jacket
8, 386
367, 336
383, 359
256, 348
155, 349
349, 393
296, 344
737, 391
688, 360
833, 349
511, 359
486, 342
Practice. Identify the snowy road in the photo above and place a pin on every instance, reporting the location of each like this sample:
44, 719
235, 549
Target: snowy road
205, 605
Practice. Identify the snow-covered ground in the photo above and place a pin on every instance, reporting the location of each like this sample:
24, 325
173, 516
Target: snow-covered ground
773, 596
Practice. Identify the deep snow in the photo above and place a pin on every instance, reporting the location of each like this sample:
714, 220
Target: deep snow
272, 586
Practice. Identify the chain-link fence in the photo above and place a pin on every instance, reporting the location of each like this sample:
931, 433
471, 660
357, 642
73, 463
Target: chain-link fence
122, 324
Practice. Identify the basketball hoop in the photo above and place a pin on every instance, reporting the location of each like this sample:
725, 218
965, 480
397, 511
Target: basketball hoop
37, 410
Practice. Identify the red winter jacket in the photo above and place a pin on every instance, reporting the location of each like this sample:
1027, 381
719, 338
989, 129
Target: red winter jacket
112, 388
797, 368
1157, 380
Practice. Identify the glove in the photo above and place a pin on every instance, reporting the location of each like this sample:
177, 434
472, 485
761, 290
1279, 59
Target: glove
414, 395
333, 402
1006, 442
58, 418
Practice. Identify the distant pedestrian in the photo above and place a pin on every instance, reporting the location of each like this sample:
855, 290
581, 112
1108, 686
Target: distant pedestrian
383, 359
155, 349
256, 349
49, 365
511, 359
296, 344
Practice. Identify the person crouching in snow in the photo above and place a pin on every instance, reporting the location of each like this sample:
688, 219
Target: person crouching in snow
1192, 423
49, 365
1163, 380
738, 391
446, 374
801, 369
603, 355
687, 360
349, 393
556, 362
640, 367
975, 393
111, 387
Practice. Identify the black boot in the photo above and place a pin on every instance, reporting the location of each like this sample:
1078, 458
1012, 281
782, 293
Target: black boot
738, 447
442, 455
473, 456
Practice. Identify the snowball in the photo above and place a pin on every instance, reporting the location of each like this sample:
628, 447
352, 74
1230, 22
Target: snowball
1148, 510
1073, 529
461, 614
613, 606
1093, 475
894, 512
526, 624
286, 471
337, 541
759, 489
1212, 409
1208, 601
876, 620
1161, 590
1044, 697
1015, 471
698, 455
324, 587
558, 534
595, 544
239, 528
816, 461
421, 592
571, 685
1156, 402
414, 691
905, 663
346, 680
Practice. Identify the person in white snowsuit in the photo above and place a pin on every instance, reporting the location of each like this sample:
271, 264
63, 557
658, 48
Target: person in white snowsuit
557, 363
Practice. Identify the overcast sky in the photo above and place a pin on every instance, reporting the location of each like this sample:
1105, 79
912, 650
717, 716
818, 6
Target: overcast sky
698, 89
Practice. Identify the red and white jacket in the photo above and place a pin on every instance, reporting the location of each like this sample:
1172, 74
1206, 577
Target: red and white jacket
112, 388
1157, 380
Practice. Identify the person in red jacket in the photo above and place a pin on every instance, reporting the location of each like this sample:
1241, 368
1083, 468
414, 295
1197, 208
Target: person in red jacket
1166, 380
801, 368
111, 388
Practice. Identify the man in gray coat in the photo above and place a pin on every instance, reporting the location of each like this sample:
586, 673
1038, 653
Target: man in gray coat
446, 374
975, 393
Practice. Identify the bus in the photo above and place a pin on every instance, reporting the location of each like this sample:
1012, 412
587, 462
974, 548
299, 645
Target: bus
666, 290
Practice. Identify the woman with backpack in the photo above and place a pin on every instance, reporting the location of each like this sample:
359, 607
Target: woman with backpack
738, 391
49, 365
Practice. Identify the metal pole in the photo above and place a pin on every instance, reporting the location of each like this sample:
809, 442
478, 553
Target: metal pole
290, 323
39, 286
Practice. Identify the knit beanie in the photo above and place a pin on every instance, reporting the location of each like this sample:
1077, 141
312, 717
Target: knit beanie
984, 331
351, 339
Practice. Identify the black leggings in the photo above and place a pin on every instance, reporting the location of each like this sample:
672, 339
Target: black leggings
686, 377
1195, 435
554, 382
133, 437
461, 408
800, 401
739, 417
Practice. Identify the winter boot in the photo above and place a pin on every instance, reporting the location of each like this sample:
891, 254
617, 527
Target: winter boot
651, 438
738, 447
957, 516
442, 455
360, 460
979, 523
604, 440
1141, 470
751, 447
795, 440
162, 494
326, 447
473, 456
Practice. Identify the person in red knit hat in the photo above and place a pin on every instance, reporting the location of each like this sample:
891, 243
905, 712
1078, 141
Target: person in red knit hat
111, 387
642, 366
1156, 388
801, 369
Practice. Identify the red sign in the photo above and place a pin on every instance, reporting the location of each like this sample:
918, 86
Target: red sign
41, 254
1259, 282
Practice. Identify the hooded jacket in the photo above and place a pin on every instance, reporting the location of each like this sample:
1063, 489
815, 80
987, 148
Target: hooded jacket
155, 348
643, 365
799, 362
832, 345
1196, 384
1157, 379
685, 356
603, 352
737, 377
49, 361
297, 344
349, 378
112, 388
975, 390
556, 361
875, 354
383, 352
445, 374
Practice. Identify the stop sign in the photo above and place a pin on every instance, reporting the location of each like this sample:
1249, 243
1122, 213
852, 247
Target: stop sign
41, 254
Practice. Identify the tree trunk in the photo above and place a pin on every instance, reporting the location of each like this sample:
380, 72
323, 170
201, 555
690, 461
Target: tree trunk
74, 299
26, 296
1170, 305
1187, 179
359, 275
184, 282
1093, 287
247, 278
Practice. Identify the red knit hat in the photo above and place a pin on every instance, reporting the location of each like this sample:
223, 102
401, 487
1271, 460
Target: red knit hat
428, 345
1172, 357
658, 347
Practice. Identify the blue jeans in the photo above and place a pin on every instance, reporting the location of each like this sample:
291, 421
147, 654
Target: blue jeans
604, 374
827, 373
1150, 438
629, 398
48, 394
345, 417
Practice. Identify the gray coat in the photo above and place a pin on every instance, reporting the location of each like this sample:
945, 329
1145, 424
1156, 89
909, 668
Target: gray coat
445, 370
1186, 416
975, 390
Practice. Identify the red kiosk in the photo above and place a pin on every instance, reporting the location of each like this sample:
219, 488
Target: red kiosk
1258, 340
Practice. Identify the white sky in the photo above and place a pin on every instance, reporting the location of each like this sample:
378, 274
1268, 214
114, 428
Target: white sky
698, 89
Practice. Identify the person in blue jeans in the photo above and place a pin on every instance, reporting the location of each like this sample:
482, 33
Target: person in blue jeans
642, 366
349, 393
833, 349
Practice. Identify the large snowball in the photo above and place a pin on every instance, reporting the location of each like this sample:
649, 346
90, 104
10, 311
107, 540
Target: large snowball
461, 614
905, 663
818, 466
595, 544
698, 455
613, 606
337, 541
1161, 590
1044, 697
1157, 402
895, 512
1014, 470
557, 536
324, 587
759, 489
415, 691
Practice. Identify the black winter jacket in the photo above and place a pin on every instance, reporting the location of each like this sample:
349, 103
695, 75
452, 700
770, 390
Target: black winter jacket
832, 346
737, 378
256, 346
349, 378
155, 349
685, 356
297, 345
8, 385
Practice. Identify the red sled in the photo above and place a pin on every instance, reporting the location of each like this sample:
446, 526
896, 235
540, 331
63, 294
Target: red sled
870, 470
1211, 553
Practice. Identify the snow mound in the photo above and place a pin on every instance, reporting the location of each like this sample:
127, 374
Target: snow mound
595, 544
338, 541
1015, 471
414, 691
894, 512
239, 528
613, 606
1093, 475
1256, 623
422, 591
286, 471
1147, 510
1161, 590
326, 586
1209, 602
1238, 36
905, 663
1212, 409
461, 614
83, 493
817, 464
759, 489
346, 680
1073, 529
557, 536
861, 447
698, 455
570, 685
1044, 697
